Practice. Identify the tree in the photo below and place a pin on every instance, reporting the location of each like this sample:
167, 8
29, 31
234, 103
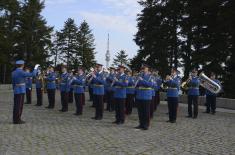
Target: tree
9, 23
9, 20
120, 58
152, 37
68, 43
86, 46
35, 35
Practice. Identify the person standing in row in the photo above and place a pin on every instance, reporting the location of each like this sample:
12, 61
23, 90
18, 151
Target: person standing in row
78, 84
193, 92
110, 90
29, 82
157, 88
64, 88
18, 82
211, 97
120, 84
173, 83
70, 98
144, 98
98, 82
130, 93
51, 87
39, 89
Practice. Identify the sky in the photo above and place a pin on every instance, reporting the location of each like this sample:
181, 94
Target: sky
116, 17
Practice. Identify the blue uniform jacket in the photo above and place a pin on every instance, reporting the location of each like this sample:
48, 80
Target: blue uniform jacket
98, 83
193, 86
109, 81
65, 82
144, 88
158, 83
120, 86
173, 87
51, 77
29, 82
131, 86
78, 84
18, 80
208, 93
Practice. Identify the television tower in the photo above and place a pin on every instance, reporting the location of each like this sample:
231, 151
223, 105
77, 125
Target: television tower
107, 59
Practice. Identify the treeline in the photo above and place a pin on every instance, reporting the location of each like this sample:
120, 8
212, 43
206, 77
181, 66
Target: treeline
188, 34
24, 34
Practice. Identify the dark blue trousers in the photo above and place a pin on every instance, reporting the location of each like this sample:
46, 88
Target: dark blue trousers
144, 112
18, 107
172, 108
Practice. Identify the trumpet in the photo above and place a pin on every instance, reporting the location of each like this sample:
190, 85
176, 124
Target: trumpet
138, 78
184, 84
209, 84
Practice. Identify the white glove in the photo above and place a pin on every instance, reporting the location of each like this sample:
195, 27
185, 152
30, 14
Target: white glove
36, 66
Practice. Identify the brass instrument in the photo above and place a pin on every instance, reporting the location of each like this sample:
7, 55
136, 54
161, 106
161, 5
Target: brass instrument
209, 84
164, 85
41, 76
138, 78
184, 84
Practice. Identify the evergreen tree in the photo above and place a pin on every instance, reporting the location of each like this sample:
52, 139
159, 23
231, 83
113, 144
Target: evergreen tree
152, 37
120, 58
86, 46
68, 43
9, 20
35, 35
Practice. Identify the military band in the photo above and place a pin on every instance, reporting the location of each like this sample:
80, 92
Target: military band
123, 89
51, 87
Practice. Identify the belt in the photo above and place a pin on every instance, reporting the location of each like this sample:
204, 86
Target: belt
50, 81
172, 88
20, 84
143, 88
130, 87
98, 85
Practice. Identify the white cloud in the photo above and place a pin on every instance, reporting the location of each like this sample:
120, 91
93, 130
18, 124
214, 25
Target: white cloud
126, 7
109, 22
53, 2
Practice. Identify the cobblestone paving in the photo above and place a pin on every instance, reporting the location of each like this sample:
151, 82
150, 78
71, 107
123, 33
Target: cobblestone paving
50, 132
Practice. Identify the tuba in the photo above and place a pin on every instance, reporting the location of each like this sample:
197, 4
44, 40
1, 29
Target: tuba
209, 84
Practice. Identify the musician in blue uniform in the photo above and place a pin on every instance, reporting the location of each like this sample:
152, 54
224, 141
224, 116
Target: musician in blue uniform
64, 88
211, 97
39, 89
120, 84
173, 83
18, 82
110, 90
153, 96
70, 100
78, 84
157, 87
144, 97
193, 92
28, 82
130, 93
51, 87
98, 82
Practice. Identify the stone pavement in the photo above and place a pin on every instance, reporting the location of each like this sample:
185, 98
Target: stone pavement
50, 132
